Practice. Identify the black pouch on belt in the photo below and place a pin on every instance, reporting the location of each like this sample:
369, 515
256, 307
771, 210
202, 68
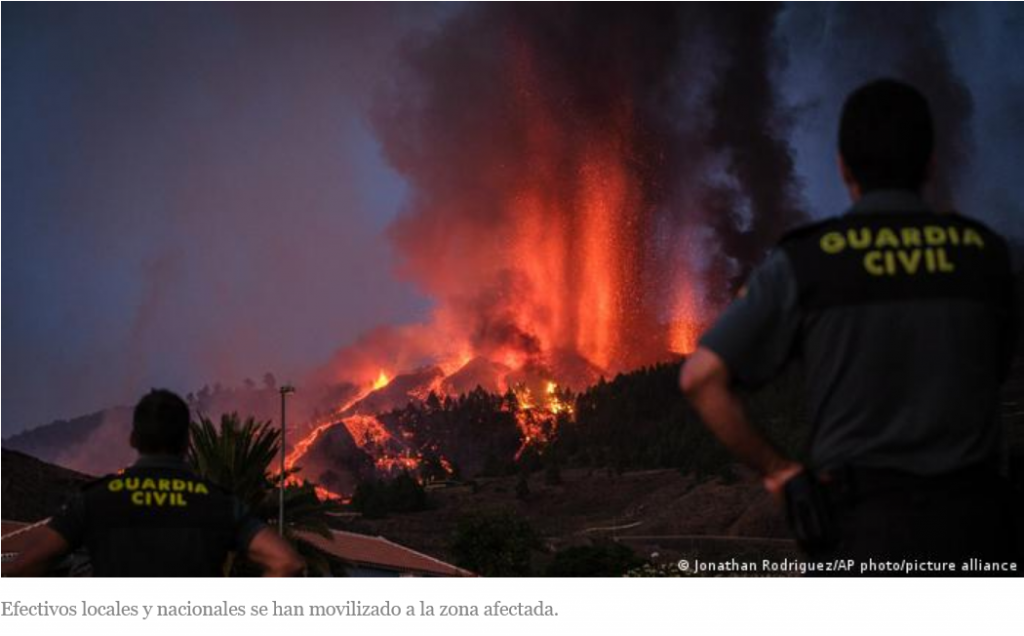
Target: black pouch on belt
810, 513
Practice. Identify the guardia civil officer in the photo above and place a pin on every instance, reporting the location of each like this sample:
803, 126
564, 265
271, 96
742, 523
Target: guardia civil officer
903, 319
157, 518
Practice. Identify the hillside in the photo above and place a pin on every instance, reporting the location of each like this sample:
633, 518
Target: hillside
632, 422
95, 444
654, 512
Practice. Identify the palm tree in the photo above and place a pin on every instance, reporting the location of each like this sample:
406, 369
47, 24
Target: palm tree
238, 455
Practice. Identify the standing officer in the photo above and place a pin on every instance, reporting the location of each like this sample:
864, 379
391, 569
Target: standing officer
157, 518
904, 321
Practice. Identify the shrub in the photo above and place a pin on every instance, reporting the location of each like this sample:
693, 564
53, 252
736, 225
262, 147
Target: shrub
613, 559
495, 544
378, 498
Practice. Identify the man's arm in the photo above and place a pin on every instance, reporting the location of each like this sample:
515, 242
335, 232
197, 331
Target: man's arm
46, 548
274, 555
705, 381
748, 345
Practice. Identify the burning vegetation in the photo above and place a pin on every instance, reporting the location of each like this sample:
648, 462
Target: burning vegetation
399, 441
584, 195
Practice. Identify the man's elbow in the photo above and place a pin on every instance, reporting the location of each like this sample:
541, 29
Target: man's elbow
693, 379
701, 370
689, 381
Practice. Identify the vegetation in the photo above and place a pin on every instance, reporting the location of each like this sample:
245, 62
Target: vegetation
378, 498
497, 543
236, 455
641, 420
637, 421
476, 432
240, 455
611, 559
523, 487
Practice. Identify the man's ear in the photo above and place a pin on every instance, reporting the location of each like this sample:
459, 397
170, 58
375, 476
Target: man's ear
851, 181
133, 442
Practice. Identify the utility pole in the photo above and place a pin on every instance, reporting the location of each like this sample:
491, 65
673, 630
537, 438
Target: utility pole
286, 390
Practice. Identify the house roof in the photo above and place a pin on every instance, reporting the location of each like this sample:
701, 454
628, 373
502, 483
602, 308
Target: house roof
7, 527
351, 548
16, 535
378, 552
33, 489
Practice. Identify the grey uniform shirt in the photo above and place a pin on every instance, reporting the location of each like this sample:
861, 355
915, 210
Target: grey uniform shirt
903, 383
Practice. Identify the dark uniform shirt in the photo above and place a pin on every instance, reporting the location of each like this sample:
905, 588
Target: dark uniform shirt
157, 518
903, 318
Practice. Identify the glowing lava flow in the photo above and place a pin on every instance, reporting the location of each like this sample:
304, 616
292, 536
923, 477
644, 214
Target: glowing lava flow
390, 456
382, 381
366, 430
302, 446
538, 421
334, 419
326, 495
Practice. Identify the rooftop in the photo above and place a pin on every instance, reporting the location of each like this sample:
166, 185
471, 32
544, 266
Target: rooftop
34, 490
353, 549
16, 535
378, 552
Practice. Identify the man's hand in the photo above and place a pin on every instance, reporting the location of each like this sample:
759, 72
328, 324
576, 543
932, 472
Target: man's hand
775, 483
705, 381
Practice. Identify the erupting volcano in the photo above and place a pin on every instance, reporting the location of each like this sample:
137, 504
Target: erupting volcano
584, 194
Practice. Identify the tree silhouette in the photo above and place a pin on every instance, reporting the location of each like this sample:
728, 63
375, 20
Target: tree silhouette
239, 456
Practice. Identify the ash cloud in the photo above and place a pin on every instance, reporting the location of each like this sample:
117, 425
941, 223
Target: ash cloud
508, 108
192, 196
834, 48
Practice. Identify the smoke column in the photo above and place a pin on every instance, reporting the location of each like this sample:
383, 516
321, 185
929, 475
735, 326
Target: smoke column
835, 48
586, 182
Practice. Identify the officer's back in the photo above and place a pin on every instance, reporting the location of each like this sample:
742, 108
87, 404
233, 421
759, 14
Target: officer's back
157, 518
903, 319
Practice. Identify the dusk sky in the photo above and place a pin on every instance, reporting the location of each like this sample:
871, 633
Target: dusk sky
194, 193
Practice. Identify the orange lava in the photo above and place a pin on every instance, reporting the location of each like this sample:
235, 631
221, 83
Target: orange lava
575, 217
366, 430
326, 495
561, 271
302, 446
395, 464
382, 381
537, 416
327, 423
685, 329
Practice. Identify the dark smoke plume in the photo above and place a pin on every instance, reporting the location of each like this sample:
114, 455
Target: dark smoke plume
856, 44
513, 117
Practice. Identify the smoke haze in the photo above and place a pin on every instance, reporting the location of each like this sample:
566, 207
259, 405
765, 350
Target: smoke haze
558, 156
205, 193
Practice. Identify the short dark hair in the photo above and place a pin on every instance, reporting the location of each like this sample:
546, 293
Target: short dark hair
886, 135
161, 424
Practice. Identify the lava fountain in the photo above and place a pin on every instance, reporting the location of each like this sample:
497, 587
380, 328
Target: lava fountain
581, 201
